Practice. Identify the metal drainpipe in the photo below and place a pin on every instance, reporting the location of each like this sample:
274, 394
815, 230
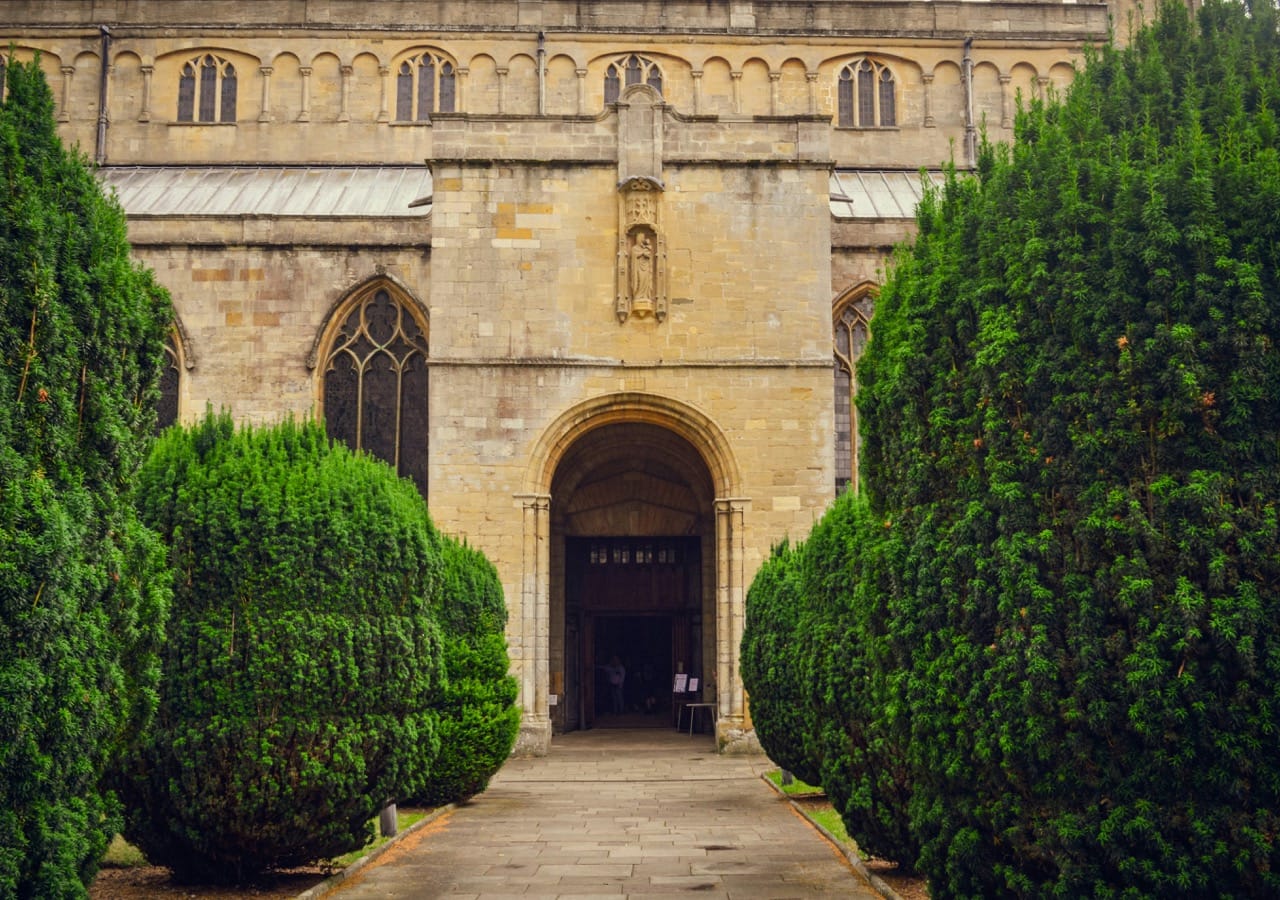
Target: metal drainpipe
542, 73
100, 148
970, 131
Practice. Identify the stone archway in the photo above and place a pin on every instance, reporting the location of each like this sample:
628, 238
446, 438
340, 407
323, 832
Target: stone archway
630, 466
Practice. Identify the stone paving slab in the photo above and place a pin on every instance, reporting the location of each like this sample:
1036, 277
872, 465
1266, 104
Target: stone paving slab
617, 813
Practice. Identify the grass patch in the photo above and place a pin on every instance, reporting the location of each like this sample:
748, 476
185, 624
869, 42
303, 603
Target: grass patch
122, 855
404, 818
829, 819
796, 788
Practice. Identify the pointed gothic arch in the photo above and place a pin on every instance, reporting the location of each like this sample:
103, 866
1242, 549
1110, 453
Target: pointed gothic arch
372, 360
851, 329
178, 359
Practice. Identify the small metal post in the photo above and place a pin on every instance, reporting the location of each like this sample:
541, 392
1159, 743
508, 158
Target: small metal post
387, 821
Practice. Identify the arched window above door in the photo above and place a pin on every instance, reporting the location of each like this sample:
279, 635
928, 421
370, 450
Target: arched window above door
628, 70
375, 381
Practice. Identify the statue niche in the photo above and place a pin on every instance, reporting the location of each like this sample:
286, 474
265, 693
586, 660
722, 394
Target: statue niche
641, 253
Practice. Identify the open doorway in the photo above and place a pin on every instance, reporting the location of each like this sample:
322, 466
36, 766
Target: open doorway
636, 602
638, 648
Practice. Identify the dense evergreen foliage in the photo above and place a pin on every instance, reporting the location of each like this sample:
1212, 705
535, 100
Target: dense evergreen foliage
479, 718
302, 663
1071, 618
83, 593
774, 668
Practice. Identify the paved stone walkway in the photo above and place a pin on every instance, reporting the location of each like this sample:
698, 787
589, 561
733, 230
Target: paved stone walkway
613, 813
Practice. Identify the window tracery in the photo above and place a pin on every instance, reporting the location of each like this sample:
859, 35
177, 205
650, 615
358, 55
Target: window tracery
628, 70
375, 385
852, 330
425, 84
170, 380
865, 95
207, 90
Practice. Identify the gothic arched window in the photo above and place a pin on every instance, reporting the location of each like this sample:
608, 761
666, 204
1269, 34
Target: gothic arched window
629, 70
375, 384
865, 96
207, 90
170, 380
852, 330
425, 84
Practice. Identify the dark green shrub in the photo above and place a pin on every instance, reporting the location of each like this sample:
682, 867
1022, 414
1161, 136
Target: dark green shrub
1071, 430
852, 719
479, 718
774, 670
302, 662
83, 591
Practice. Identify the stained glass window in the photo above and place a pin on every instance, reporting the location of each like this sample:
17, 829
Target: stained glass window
851, 334
207, 90
375, 385
865, 95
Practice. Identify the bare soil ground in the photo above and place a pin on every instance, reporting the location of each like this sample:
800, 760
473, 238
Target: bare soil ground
154, 883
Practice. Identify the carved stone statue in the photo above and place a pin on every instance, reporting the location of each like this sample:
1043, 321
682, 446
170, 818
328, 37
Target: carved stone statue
641, 274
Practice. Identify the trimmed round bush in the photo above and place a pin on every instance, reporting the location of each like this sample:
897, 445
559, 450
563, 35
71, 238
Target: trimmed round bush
479, 718
302, 663
775, 672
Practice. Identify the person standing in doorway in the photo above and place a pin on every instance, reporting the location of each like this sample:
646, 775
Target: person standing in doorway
617, 673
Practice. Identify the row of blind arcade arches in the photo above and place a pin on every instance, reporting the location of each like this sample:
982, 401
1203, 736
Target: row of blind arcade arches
427, 83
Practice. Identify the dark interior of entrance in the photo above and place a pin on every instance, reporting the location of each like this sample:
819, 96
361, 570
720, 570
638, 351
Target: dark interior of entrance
638, 648
637, 602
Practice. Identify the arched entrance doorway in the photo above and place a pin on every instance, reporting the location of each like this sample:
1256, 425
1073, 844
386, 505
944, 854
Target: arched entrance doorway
623, 469
632, 533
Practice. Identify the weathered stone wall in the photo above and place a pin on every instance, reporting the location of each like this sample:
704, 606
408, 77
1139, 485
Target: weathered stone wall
316, 82
521, 271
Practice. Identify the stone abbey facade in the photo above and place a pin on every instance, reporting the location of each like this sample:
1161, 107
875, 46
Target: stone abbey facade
594, 273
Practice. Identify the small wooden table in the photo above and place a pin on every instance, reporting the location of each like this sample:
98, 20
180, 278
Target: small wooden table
693, 710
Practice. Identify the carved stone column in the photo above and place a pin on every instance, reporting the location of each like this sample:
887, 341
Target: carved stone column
1005, 121
582, 90
812, 78
737, 92
383, 114
534, 646
502, 88
731, 732
928, 100
145, 114
344, 113
1042, 87
264, 115
64, 112
697, 91
305, 114
774, 80
460, 100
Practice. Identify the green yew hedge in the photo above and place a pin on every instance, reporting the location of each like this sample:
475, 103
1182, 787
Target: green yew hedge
1065, 600
83, 586
773, 670
479, 718
302, 665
